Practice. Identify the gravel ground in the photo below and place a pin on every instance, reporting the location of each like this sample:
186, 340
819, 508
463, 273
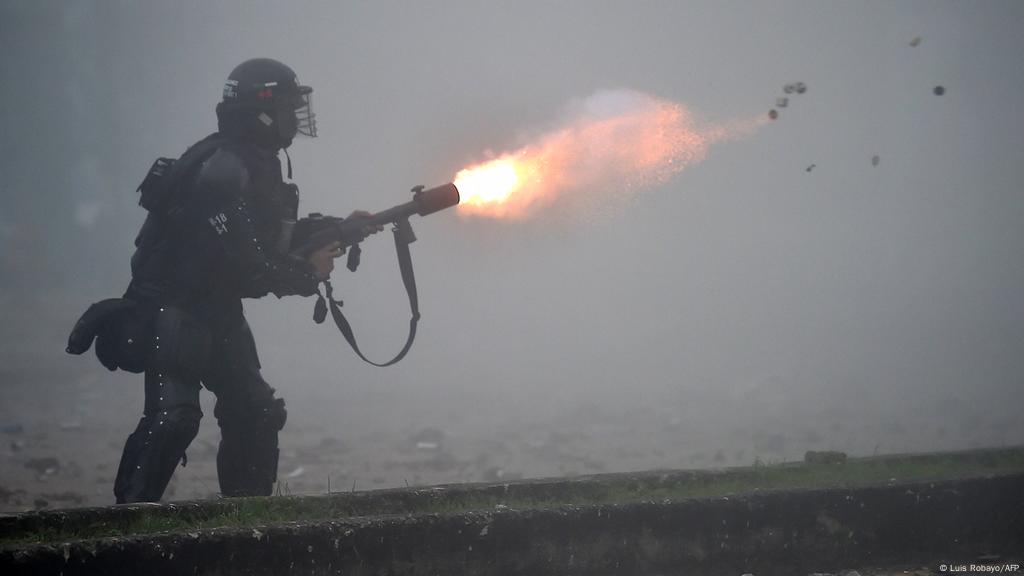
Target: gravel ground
64, 419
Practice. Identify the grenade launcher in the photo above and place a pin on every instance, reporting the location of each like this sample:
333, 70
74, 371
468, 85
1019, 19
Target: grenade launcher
316, 231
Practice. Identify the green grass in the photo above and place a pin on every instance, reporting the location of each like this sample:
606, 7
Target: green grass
611, 489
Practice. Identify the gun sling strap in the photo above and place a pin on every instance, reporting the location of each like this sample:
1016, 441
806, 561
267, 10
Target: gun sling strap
408, 278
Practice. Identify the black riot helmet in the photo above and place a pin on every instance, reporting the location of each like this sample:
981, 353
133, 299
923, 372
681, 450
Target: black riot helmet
264, 101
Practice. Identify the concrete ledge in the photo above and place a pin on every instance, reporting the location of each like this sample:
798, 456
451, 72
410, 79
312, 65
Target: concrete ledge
784, 533
50, 526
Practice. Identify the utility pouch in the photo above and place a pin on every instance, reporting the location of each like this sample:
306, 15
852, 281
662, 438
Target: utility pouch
122, 330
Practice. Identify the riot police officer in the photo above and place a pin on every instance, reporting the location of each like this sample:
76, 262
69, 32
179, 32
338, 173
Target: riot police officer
218, 231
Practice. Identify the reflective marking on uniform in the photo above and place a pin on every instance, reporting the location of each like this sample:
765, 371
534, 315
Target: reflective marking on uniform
219, 223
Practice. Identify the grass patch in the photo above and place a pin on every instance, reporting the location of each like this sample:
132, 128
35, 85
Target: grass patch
55, 527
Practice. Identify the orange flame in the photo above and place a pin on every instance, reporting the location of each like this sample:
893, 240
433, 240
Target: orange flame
619, 143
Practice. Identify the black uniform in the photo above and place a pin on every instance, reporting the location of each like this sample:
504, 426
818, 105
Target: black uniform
218, 241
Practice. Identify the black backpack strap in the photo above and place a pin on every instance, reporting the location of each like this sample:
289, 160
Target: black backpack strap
408, 279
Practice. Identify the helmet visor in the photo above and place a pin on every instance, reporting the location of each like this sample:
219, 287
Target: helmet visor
305, 119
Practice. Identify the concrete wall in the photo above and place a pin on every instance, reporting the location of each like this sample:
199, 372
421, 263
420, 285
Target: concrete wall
783, 533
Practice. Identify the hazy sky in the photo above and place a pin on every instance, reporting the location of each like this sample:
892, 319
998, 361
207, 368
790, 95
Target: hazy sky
871, 292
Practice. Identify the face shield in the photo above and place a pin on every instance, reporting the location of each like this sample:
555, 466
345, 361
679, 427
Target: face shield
305, 119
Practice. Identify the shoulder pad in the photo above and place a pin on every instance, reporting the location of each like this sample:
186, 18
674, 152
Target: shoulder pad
223, 174
161, 189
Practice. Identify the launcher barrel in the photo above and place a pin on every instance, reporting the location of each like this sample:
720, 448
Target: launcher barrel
317, 231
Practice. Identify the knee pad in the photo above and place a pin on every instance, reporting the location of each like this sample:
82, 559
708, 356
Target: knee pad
180, 424
253, 415
153, 451
248, 456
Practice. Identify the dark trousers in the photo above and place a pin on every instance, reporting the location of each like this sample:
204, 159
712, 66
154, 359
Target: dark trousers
186, 355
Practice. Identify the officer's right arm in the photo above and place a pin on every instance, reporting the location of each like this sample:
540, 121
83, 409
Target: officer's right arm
223, 186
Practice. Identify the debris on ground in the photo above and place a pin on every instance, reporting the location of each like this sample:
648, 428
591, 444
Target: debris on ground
493, 474
8, 496
824, 457
427, 439
68, 496
329, 443
44, 466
